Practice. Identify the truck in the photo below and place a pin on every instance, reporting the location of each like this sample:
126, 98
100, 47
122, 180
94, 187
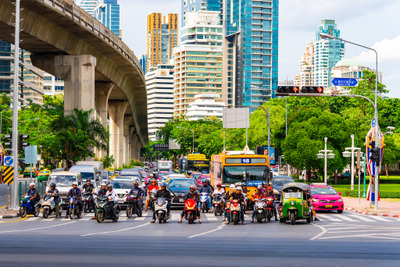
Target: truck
165, 165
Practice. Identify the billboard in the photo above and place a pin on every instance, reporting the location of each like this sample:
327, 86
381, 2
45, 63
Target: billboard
236, 118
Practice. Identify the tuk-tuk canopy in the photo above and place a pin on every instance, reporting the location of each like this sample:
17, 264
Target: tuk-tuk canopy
301, 186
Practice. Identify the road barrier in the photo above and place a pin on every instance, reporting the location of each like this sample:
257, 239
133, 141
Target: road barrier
40, 186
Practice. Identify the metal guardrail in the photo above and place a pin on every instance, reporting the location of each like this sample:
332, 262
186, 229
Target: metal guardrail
24, 186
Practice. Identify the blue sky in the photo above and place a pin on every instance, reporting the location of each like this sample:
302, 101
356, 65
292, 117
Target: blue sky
368, 22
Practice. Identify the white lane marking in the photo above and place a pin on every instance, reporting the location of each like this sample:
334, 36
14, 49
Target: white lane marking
49, 220
208, 232
117, 231
329, 218
211, 217
346, 218
31, 219
381, 219
39, 228
362, 218
140, 218
380, 235
320, 234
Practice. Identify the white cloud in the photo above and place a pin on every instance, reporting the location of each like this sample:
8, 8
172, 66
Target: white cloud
388, 50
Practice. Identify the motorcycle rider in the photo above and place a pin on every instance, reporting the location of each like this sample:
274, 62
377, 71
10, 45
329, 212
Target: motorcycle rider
206, 188
270, 193
89, 188
194, 195
220, 191
264, 186
140, 193
101, 193
153, 185
232, 188
33, 193
238, 195
75, 192
57, 200
110, 194
259, 194
163, 192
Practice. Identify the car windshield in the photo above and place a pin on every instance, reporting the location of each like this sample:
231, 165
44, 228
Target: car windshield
234, 174
62, 180
181, 184
87, 176
281, 182
323, 191
196, 175
122, 184
293, 195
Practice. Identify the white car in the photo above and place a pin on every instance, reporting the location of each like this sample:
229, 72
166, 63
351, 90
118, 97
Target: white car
121, 188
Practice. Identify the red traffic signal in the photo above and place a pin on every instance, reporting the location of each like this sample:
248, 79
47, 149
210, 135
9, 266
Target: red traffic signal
286, 90
312, 90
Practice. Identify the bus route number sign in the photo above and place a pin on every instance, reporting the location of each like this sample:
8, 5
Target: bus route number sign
246, 161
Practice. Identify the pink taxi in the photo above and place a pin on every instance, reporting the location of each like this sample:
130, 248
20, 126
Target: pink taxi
325, 197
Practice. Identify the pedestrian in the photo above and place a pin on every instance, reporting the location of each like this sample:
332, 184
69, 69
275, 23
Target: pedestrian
371, 190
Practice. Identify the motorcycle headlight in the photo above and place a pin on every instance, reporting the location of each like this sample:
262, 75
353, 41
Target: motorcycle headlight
340, 200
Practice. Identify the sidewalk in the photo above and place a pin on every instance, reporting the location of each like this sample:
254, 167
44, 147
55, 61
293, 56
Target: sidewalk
386, 207
8, 214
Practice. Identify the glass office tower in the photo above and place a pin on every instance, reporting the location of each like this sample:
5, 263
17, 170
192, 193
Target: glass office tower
108, 12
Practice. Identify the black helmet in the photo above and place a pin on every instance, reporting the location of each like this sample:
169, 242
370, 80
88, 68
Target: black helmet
53, 185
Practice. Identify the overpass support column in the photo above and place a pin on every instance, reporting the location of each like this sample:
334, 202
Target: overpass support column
116, 111
126, 139
102, 93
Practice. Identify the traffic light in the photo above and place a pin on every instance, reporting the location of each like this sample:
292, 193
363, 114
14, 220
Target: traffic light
22, 141
312, 90
8, 142
375, 154
286, 90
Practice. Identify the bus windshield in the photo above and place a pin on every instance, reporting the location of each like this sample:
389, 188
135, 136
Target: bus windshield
198, 165
234, 174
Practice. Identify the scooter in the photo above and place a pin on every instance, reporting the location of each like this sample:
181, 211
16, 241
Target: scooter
161, 210
270, 208
87, 202
74, 208
152, 197
217, 203
235, 210
103, 210
190, 210
26, 207
133, 205
49, 206
260, 208
204, 202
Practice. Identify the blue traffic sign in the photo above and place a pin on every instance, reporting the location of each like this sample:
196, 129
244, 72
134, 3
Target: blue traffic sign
344, 82
8, 161
373, 123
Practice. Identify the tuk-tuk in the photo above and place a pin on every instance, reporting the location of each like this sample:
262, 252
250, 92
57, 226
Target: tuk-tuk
43, 175
295, 203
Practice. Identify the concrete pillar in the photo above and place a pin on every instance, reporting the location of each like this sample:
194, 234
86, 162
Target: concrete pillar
116, 111
102, 93
127, 121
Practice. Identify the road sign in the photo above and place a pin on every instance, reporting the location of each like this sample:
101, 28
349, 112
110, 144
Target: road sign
31, 155
8, 161
8, 175
344, 82
160, 147
373, 123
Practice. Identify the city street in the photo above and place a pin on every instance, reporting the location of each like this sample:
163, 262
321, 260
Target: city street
344, 239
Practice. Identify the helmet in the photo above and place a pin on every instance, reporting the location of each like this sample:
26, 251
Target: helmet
193, 187
259, 187
163, 185
32, 184
103, 184
75, 183
219, 184
135, 182
153, 181
88, 180
206, 181
269, 188
53, 184
243, 184
232, 186
264, 183
110, 186
239, 188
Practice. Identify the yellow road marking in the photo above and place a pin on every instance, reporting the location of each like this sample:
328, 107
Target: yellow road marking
19, 220
2, 207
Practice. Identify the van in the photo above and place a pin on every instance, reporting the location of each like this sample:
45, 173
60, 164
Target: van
88, 173
97, 164
63, 181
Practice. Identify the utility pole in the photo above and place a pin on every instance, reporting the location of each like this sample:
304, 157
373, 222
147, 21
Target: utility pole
269, 142
352, 162
14, 185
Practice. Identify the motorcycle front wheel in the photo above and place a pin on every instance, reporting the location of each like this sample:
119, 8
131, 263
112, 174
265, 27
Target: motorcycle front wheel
100, 216
292, 218
37, 211
46, 213
129, 211
22, 212
86, 208
115, 219
71, 213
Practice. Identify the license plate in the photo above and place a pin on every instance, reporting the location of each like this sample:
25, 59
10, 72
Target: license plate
181, 200
328, 206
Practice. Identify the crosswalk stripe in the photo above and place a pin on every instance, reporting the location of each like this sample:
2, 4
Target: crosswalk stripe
31, 219
328, 218
211, 217
346, 218
381, 219
362, 218
140, 218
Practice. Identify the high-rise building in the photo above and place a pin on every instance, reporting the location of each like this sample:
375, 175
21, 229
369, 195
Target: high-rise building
32, 80
250, 51
198, 60
6, 75
52, 85
108, 12
197, 5
206, 106
143, 63
89, 6
327, 52
160, 98
162, 38
306, 76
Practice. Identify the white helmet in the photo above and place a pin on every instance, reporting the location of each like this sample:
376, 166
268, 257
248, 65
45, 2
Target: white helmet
110, 185
32, 184
75, 183
103, 184
239, 188
232, 186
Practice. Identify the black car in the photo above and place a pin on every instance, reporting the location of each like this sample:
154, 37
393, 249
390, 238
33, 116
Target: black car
278, 182
179, 187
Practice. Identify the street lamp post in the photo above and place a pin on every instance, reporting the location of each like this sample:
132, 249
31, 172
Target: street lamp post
377, 167
325, 154
350, 152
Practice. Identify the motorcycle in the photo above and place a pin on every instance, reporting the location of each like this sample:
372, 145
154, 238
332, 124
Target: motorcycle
217, 203
161, 210
133, 205
260, 208
235, 210
245, 203
49, 206
74, 208
103, 210
152, 197
87, 202
203, 202
26, 207
190, 210
270, 208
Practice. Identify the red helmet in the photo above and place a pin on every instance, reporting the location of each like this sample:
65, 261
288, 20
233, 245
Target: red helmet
193, 187
269, 188
153, 181
219, 184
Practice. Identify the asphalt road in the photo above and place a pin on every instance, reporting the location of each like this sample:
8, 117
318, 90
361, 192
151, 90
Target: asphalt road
344, 239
